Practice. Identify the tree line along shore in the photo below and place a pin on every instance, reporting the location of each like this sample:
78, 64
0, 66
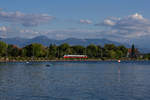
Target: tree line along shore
38, 52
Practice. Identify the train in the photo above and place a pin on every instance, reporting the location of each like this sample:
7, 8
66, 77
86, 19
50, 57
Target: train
75, 56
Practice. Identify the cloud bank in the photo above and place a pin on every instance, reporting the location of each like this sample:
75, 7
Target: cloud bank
85, 21
131, 26
3, 29
26, 20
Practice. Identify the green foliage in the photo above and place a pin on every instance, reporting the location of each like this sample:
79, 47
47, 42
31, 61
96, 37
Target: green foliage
24, 52
122, 51
78, 49
38, 51
109, 50
34, 50
64, 49
114, 52
99, 51
91, 51
52, 51
13, 51
147, 56
110, 47
3, 49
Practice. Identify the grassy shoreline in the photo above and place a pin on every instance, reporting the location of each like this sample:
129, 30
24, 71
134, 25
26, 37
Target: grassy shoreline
20, 59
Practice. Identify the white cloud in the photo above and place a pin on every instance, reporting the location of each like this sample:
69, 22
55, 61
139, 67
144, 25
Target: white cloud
136, 16
3, 29
109, 22
128, 27
132, 26
26, 20
62, 33
85, 21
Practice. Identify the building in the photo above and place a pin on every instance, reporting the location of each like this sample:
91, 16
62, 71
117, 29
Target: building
137, 53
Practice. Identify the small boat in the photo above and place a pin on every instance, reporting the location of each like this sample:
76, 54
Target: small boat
27, 62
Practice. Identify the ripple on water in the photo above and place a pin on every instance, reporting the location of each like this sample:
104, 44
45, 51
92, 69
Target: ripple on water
75, 81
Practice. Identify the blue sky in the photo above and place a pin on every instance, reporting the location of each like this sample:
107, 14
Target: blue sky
111, 19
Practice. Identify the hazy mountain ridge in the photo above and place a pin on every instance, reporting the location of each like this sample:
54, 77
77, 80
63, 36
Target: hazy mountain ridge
21, 42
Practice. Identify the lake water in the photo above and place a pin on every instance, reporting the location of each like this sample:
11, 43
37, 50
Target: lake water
75, 81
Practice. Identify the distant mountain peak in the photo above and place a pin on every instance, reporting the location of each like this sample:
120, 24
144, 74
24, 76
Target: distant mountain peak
41, 37
44, 40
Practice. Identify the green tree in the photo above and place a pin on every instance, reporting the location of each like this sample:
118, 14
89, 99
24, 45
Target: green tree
52, 51
13, 50
63, 49
147, 56
78, 49
108, 50
24, 52
110, 47
112, 54
35, 50
91, 51
122, 51
119, 54
3, 49
99, 51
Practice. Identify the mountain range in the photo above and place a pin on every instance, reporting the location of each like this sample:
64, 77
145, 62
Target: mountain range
21, 42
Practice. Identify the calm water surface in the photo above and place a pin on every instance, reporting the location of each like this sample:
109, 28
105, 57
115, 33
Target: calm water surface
75, 81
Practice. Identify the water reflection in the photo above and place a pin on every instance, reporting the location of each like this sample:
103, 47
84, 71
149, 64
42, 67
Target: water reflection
119, 74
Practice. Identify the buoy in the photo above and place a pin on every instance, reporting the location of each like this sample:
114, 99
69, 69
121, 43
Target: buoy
119, 61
